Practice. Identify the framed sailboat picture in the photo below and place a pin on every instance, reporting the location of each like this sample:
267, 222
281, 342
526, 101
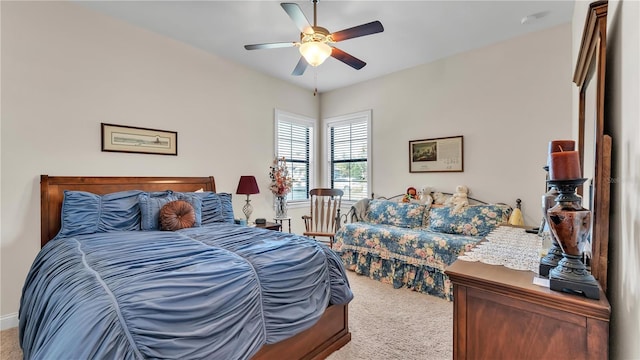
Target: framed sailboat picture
119, 138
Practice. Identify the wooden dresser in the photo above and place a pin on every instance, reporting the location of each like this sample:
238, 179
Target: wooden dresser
500, 314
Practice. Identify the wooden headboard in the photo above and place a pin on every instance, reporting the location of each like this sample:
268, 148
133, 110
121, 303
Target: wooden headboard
52, 192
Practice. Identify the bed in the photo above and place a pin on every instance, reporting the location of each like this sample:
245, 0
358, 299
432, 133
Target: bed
217, 290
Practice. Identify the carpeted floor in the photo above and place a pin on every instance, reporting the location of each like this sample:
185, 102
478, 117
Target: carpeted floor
390, 324
385, 323
9, 346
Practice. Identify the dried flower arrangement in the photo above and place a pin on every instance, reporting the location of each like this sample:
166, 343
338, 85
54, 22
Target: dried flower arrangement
281, 182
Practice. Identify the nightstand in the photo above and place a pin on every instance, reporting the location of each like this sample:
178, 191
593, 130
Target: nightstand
270, 226
282, 220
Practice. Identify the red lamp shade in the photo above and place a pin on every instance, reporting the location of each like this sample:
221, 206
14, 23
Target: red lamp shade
247, 186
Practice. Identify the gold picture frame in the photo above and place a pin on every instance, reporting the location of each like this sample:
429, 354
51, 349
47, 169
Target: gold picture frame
130, 139
436, 155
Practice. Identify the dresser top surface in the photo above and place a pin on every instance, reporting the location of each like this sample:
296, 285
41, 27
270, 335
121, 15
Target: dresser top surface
519, 284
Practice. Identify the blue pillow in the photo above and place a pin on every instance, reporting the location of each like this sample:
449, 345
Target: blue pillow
385, 212
152, 202
196, 202
87, 213
216, 207
474, 220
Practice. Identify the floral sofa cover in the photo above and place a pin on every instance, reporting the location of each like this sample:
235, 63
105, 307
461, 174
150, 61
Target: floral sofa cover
411, 244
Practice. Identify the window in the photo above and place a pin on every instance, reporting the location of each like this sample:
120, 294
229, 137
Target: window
294, 142
348, 141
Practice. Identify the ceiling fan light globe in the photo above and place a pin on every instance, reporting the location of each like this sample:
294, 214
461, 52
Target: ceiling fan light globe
315, 52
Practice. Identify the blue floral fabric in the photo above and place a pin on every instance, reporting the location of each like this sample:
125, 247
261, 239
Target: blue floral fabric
405, 215
413, 258
475, 220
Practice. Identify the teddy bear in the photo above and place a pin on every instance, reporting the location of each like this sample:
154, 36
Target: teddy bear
425, 195
459, 199
439, 198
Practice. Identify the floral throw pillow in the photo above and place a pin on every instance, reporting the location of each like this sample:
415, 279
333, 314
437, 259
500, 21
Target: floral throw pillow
385, 212
475, 220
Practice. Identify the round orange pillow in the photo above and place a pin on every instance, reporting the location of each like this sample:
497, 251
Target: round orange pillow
176, 215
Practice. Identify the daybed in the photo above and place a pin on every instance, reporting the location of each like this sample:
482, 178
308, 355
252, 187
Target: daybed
410, 244
108, 283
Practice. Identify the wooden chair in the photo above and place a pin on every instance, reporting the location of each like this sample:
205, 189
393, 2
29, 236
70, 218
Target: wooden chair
325, 213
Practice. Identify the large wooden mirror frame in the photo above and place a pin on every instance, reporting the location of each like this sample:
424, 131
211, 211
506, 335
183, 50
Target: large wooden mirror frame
593, 144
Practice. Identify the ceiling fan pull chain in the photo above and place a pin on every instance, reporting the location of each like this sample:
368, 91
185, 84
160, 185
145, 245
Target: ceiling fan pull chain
315, 81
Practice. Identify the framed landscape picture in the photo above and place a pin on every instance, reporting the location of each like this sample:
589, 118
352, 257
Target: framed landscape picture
436, 155
119, 138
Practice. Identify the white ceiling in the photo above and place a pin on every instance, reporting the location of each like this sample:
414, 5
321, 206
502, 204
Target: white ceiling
416, 32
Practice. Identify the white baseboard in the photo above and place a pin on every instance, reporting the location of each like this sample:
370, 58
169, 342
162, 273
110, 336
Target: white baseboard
8, 321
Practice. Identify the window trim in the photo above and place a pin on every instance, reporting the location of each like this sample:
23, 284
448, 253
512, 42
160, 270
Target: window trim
342, 120
285, 116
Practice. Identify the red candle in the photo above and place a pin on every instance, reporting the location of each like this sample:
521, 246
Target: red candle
560, 145
564, 165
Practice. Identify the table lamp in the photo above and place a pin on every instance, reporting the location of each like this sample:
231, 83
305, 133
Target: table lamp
247, 186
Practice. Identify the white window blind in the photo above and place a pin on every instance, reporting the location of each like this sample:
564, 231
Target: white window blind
349, 158
294, 142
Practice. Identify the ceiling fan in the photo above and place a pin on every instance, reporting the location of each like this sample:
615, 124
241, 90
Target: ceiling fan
316, 43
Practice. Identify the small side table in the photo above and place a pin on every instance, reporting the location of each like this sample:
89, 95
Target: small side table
270, 226
282, 220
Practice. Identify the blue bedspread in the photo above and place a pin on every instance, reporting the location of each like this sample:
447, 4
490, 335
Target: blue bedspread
214, 292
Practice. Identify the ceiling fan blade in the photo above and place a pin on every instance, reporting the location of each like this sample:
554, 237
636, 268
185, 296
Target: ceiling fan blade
357, 31
350, 60
300, 68
270, 45
296, 14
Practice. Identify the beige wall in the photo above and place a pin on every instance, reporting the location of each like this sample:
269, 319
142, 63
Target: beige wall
508, 100
66, 69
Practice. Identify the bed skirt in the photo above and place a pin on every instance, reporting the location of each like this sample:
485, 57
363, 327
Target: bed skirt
421, 278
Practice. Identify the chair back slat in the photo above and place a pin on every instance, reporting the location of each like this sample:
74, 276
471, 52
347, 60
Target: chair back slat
314, 219
332, 224
325, 217
320, 226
